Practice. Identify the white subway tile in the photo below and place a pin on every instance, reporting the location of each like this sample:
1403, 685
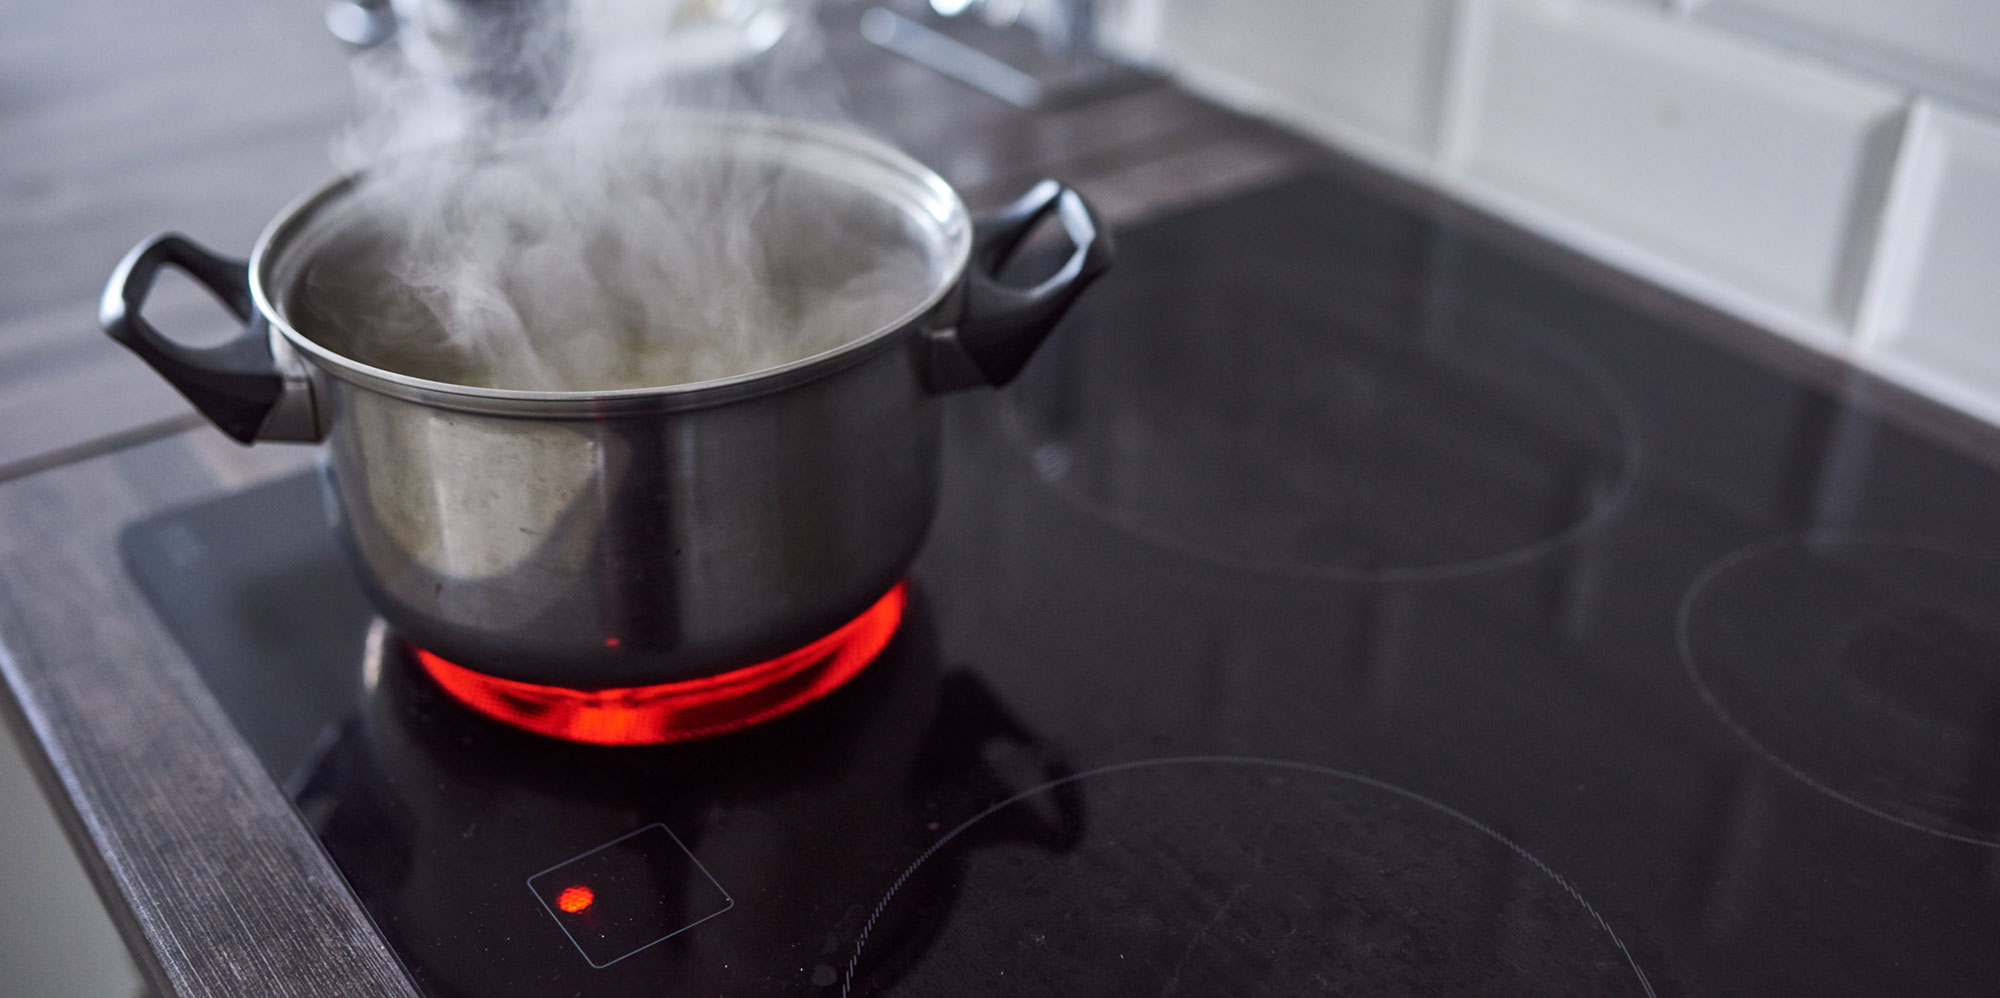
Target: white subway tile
1373, 66
1933, 308
1756, 171
1948, 47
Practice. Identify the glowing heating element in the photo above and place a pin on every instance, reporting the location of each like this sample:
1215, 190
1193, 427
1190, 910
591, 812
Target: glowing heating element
686, 710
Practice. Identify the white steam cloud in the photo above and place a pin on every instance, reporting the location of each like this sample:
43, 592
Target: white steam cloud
552, 198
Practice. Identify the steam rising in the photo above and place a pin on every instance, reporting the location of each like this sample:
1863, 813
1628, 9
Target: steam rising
563, 198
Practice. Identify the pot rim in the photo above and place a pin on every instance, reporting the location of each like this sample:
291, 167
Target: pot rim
919, 193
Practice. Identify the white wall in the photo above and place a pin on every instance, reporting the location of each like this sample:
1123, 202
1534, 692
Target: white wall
1827, 168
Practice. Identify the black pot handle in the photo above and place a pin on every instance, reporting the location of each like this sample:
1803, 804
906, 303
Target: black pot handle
1003, 324
236, 384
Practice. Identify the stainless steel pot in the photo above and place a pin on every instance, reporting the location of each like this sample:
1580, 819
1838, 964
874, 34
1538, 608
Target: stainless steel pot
618, 538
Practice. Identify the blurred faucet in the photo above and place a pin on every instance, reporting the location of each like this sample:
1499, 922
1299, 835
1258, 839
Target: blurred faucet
511, 52
361, 23
1064, 26
517, 56
1032, 53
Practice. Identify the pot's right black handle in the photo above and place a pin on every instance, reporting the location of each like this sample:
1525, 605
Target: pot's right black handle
1003, 324
236, 384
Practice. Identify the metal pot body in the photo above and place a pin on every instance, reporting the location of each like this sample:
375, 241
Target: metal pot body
638, 548
594, 540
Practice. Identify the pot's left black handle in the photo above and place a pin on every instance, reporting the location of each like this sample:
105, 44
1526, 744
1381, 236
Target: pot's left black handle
1003, 324
236, 385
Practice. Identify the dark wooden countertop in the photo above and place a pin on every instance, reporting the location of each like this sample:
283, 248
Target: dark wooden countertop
207, 116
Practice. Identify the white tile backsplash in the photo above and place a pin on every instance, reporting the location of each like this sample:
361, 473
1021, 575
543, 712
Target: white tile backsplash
1933, 309
1948, 47
1759, 170
1829, 169
1372, 65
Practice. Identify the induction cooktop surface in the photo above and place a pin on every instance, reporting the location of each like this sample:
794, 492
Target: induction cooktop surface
1341, 603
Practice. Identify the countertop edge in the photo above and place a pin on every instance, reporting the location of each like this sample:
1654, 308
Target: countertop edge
221, 890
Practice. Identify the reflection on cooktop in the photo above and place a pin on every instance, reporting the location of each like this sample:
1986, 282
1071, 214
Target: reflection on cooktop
1227, 875
1867, 665
1389, 436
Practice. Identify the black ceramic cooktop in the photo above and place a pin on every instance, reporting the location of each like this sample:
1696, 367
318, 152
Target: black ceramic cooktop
1339, 605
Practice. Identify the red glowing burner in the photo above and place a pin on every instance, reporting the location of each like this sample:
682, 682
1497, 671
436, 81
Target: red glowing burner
686, 710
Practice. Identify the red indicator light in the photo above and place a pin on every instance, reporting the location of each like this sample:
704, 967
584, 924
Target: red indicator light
686, 710
575, 899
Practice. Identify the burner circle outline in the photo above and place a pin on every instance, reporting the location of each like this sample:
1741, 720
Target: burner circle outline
1565, 355
1684, 646
1289, 765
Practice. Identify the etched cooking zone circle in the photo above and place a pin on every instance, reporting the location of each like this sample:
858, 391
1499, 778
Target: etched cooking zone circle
1230, 875
1866, 665
1393, 440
